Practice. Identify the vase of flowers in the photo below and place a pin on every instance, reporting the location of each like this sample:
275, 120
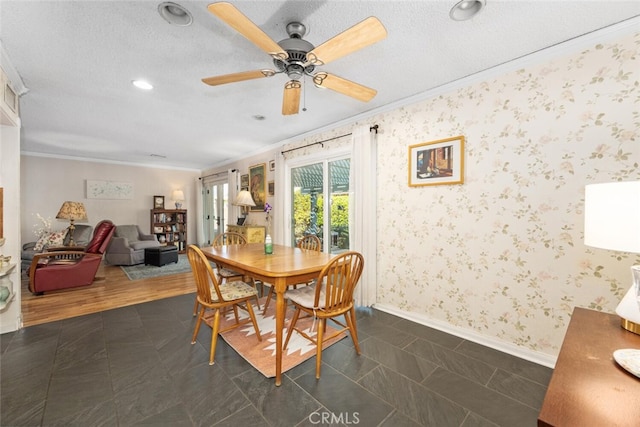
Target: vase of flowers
43, 228
268, 243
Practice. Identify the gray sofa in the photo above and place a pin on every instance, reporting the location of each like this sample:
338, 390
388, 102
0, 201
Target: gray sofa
81, 235
128, 244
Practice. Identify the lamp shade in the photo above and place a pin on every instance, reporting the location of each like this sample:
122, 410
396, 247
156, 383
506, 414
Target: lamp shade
72, 211
612, 216
244, 199
178, 195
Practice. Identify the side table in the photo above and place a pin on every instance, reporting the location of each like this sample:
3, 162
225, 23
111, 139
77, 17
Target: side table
588, 387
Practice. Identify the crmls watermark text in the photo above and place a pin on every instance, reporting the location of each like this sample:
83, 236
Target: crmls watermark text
332, 418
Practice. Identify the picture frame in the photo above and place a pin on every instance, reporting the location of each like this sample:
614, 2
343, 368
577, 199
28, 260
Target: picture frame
258, 186
158, 202
244, 181
272, 165
101, 189
438, 162
271, 186
157, 229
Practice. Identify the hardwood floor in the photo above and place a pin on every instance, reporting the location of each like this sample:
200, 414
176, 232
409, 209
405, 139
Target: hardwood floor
112, 290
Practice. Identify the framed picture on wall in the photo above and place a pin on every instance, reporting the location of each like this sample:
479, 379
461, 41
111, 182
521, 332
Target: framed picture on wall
158, 202
272, 165
244, 181
258, 186
272, 188
438, 162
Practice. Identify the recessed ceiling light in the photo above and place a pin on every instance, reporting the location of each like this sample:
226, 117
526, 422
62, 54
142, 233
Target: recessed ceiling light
175, 14
466, 9
141, 84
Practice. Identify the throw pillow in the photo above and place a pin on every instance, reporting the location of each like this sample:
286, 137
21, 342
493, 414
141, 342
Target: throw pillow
41, 242
55, 238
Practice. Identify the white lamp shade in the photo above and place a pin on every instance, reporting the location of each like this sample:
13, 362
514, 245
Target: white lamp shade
612, 216
178, 195
244, 199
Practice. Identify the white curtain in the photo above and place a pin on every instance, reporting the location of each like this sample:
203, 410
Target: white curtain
199, 221
278, 202
234, 211
364, 216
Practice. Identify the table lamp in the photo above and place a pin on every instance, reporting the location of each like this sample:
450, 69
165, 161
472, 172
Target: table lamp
612, 221
178, 197
73, 211
244, 200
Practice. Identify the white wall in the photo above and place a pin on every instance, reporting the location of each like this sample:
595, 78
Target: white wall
47, 182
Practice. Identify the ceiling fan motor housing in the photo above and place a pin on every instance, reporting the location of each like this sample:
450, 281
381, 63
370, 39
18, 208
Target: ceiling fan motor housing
297, 49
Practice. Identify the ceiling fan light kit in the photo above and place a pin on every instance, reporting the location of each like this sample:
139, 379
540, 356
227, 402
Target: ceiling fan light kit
297, 57
466, 9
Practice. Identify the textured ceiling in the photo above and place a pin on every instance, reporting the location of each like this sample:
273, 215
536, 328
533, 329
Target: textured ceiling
78, 58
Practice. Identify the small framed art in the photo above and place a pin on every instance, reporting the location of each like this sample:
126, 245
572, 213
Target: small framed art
438, 162
271, 188
272, 165
158, 202
244, 180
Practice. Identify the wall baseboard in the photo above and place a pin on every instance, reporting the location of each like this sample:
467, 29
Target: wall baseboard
503, 346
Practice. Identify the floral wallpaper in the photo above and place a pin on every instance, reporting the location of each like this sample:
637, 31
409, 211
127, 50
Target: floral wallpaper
502, 255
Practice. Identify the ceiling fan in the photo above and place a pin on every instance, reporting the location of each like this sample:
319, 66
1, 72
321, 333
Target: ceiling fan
297, 58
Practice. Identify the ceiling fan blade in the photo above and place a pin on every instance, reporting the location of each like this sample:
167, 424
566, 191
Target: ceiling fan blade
344, 86
237, 77
239, 22
291, 98
357, 37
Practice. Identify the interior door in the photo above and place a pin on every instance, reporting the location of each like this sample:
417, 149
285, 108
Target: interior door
216, 209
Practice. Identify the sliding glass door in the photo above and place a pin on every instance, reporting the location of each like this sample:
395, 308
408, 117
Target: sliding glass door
320, 202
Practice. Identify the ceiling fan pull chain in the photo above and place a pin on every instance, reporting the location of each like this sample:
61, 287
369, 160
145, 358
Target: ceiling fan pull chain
304, 93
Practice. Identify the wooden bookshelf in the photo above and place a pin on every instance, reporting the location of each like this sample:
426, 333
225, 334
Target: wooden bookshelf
170, 227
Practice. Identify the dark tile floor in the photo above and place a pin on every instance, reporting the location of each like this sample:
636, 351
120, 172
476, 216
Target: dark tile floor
135, 366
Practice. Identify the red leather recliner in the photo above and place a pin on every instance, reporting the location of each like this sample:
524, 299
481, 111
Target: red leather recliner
68, 268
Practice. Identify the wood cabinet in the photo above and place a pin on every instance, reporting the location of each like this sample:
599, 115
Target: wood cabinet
253, 233
170, 227
588, 387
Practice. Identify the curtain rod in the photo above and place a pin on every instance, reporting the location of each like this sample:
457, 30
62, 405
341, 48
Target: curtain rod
217, 173
374, 128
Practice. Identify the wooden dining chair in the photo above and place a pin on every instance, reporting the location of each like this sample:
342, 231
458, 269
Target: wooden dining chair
225, 274
331, 296
216, 297
310, 242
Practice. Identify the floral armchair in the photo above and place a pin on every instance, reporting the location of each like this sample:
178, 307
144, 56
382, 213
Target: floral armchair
68, 268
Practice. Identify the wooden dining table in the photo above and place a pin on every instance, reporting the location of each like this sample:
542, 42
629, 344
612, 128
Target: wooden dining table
286, 266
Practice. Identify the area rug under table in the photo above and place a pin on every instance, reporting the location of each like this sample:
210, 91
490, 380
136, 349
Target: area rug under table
141, 271
262, 355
